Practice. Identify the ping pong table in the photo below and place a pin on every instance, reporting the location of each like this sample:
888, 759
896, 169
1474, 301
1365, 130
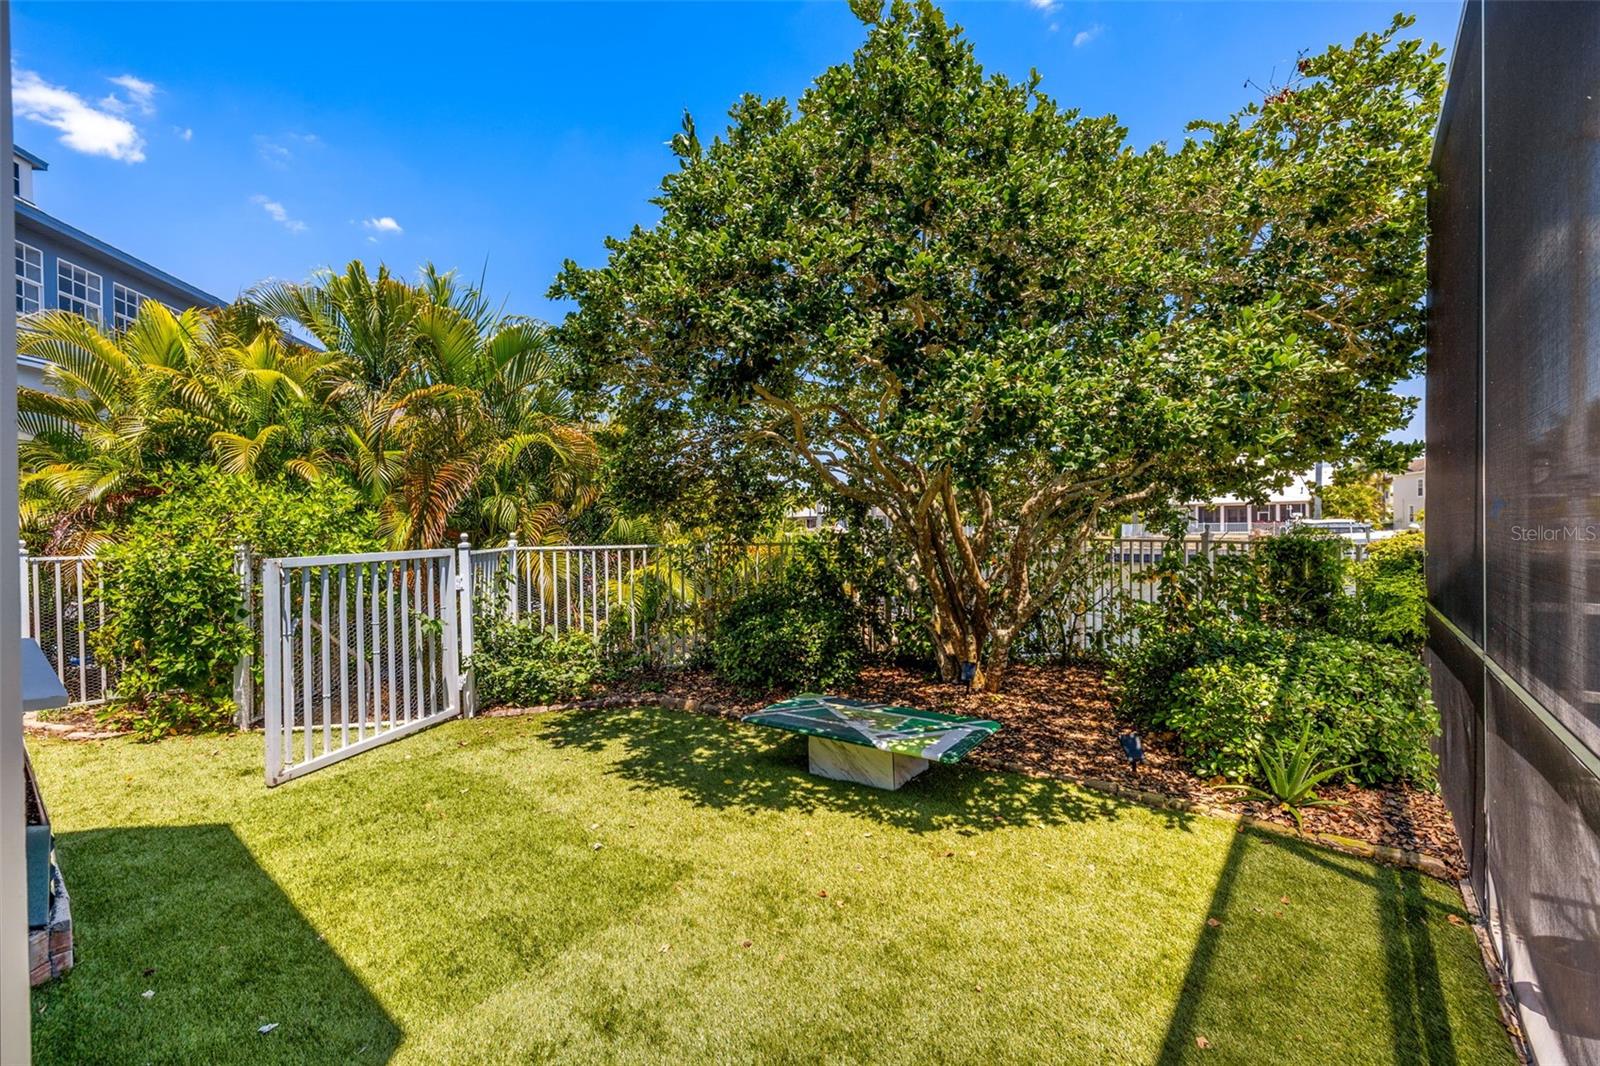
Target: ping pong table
874, 744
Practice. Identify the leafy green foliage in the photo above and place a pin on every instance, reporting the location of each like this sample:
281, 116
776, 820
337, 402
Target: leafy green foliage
1222, 712
522, 663
1369, 705
1149, 673
799, 627
1301, 578
942, 294
1360, 498
442, 413
1391, 594
1238, 653
175, 620
1227, 686
1292, 774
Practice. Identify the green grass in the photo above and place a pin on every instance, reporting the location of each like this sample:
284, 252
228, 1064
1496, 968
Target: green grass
441, 900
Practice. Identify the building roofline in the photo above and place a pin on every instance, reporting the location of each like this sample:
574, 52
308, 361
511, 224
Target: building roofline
32, 160
200, 297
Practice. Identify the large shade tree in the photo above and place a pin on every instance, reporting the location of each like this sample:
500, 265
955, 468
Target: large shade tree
986, 316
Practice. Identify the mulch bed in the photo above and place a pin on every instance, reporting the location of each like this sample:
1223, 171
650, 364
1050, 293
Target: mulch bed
69, 723
1060, 721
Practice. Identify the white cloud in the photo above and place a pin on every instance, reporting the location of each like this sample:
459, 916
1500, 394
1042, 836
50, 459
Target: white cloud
279, 152
384, 226
84, 127
272, 152
1083, 37
279, 214
1046, 6
140, 95
186, 133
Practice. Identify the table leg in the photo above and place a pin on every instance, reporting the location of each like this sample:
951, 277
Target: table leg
861, 764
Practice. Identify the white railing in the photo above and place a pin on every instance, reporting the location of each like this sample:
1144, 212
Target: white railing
661, 599
651, 596
357, 650
61, 611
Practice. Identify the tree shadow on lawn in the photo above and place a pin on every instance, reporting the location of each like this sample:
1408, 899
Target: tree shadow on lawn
1420, 1029
729, 766
186, 913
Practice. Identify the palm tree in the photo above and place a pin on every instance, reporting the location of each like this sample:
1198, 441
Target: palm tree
442, 412
452, 414
117, 409
272, 394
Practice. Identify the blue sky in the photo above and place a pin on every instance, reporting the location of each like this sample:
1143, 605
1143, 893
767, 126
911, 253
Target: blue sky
229, 143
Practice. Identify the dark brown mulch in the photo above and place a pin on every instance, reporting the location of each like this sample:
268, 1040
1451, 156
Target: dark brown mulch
1060, 720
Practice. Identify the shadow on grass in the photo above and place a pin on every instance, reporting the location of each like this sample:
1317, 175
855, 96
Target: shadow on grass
185, 914
727, 766
1420, 1030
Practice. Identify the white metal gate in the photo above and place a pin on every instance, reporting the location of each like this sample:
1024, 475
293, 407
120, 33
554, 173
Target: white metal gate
357, 650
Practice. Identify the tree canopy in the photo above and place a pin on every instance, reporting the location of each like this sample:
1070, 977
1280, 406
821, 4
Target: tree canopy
943, 295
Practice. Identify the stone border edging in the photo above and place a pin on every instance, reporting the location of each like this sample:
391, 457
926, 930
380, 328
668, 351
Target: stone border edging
1414, 860
33, 724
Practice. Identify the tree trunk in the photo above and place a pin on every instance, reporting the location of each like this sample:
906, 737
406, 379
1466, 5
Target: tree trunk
996, 660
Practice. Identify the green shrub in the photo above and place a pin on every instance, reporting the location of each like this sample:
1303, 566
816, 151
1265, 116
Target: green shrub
175, 621
1302, 577
798, 627
1223, 712
1391, 597
1225, 686
522, 663
1146, 673
1369, 706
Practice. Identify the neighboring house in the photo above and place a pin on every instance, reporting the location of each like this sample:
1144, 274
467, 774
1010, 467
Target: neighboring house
60, 266
1231, 514
809, 516
1407, 494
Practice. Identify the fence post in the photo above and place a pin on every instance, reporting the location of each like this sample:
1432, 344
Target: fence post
468, 692
514, 603
272, 649
22, 562
244, 682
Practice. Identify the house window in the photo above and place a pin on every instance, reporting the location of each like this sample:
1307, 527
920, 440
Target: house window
78, 290
30, 279
1419, 486
16, 178
125, 306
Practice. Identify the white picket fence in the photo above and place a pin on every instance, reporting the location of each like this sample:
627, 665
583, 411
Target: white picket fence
356, 650
651, 596
656, 596
61, 614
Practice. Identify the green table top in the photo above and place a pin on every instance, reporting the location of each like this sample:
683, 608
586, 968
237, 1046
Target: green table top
903, 730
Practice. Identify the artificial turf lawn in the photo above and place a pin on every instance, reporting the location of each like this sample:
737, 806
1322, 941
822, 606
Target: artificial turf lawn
441, 899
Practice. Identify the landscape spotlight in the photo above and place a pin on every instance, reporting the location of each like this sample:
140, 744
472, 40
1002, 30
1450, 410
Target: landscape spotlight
1132, 749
